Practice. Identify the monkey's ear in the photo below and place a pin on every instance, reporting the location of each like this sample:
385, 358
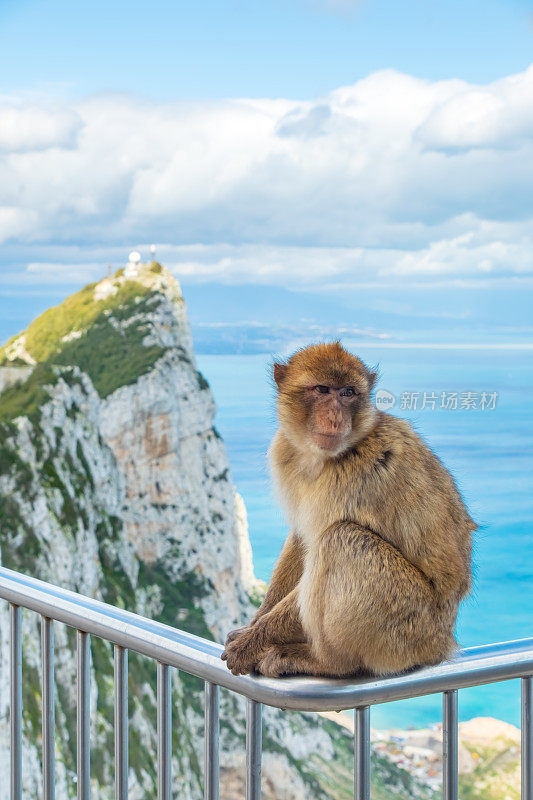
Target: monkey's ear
280, 371
372, 378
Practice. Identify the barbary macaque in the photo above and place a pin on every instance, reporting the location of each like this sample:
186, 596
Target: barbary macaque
379, 553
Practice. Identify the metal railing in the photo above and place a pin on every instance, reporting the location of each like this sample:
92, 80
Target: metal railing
174, 648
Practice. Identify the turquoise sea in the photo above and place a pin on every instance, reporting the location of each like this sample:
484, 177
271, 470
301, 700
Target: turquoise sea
489, 451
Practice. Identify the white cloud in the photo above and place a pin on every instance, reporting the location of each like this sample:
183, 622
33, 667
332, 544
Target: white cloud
465, 255
26, 128
16, 222
392, 176
486, 252
498, 115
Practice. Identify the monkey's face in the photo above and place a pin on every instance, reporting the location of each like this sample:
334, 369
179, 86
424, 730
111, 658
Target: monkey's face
331, 410
324, 399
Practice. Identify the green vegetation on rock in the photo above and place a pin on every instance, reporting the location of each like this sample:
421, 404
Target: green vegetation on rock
104, 338
179, 598
45, 335
11, 462
112, 357
25, 398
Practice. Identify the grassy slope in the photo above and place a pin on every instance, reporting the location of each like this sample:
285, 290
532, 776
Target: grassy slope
110, 349
77, 312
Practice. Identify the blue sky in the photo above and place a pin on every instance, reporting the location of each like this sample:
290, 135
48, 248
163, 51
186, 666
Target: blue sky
374, 151
254, 48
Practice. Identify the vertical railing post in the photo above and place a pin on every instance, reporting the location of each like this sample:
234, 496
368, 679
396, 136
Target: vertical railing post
527, 739
253, 749
121, 723
362, 753
212, 727
48, 712
450, 746
83, 745
16, 702
164, 732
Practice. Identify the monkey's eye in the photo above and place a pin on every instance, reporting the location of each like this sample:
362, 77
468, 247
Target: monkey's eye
348, 391
322, 389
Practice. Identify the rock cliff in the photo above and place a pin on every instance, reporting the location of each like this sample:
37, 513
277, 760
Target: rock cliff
115, 483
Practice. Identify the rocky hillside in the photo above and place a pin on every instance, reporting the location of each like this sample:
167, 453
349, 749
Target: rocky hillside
115, 483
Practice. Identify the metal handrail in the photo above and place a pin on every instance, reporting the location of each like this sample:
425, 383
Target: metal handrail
472, 666
174, 648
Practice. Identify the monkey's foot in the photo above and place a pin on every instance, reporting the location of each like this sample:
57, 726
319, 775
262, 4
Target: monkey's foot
243, 651
274, 664
289, 659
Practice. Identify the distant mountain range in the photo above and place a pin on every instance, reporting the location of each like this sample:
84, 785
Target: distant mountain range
255, 318
250, 318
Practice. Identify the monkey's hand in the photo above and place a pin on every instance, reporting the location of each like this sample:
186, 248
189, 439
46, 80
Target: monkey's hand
244, 648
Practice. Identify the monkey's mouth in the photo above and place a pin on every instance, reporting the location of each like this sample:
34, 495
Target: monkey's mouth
328, 441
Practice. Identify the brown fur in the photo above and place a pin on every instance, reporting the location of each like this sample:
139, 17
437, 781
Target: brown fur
371, 576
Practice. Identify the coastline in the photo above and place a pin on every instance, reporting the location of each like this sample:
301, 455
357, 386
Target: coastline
489, 753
